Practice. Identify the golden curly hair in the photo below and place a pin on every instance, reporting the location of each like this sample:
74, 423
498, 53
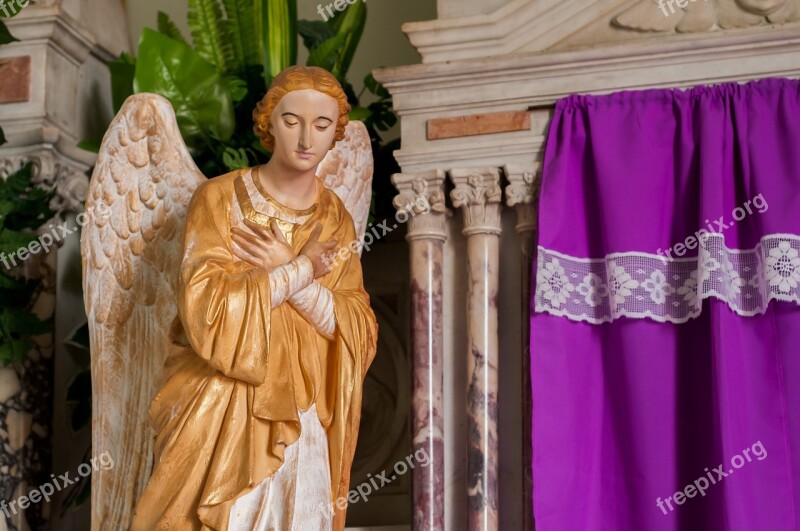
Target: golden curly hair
299, 78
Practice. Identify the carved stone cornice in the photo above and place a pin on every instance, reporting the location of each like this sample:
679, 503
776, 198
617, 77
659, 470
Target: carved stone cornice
522, 193
518, 24
477, 192
423, 195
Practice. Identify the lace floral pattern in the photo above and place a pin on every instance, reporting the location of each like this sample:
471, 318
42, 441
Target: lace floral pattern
648, 285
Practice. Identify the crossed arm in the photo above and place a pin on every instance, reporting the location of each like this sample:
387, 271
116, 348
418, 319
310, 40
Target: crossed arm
293, 280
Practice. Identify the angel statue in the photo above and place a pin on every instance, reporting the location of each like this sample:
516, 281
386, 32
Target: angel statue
228, 346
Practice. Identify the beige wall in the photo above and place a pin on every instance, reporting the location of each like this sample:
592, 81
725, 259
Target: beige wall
383, 44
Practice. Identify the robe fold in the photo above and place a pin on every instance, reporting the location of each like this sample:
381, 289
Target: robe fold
238, 371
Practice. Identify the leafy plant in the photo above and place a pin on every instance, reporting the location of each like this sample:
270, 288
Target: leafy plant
24, 207
5, 35
215, 79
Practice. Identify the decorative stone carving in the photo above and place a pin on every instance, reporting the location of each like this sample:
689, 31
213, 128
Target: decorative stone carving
522, 193
416, 190
477, 192
706, 15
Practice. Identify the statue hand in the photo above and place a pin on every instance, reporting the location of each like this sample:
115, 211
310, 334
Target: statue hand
268, 249
320, 253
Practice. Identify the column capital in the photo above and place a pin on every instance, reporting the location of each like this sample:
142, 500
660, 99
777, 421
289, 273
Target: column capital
422, 194
522, 193
478, 193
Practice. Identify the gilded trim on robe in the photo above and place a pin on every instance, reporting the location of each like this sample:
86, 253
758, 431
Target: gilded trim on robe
238, 371
280, 206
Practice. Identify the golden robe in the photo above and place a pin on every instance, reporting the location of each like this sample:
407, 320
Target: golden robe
238, 371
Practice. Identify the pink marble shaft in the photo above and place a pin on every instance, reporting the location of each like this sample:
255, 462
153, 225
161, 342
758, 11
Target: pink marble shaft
423, 195
428, 404
482, 453
478, 193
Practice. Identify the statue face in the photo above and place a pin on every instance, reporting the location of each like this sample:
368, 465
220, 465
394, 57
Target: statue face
761, 7
304, 126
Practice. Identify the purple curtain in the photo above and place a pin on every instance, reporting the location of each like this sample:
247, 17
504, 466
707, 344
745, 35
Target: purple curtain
665, 326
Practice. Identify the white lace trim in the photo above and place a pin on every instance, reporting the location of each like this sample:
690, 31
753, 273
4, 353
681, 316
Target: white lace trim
642, 285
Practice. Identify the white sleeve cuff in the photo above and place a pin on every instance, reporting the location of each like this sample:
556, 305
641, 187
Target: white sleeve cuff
315, 303
287, 279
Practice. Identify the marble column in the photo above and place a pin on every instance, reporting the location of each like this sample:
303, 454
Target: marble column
477, 192
423, 193
520, 194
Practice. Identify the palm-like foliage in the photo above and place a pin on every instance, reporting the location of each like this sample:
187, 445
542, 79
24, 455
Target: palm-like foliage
241, 30
237, 47
276, 29
209, 34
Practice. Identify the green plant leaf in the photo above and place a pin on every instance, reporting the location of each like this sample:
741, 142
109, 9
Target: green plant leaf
8, 283
5, 35
314, 32
360, 113
235, 159
351, 24
11, 241
14, 351
24, 323
240, 22
326, 54
276, 31
201, 100
209, 35
91, 144
31, 202
382, 116
166, 26
372, 85
122, 71
7, 206
236, 86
